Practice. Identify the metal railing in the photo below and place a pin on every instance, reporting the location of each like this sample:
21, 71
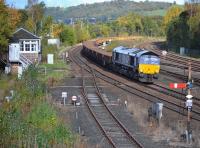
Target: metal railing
25, 61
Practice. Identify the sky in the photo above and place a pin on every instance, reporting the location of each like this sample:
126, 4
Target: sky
67, 3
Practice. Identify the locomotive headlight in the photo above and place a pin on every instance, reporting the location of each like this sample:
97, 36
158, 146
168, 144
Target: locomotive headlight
157, 70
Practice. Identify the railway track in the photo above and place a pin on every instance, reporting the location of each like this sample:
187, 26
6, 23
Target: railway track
174, 58
183, 77
112, 128
171, 104
177, 61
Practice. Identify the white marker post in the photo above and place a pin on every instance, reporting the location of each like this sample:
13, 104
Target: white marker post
188, 105
64, 96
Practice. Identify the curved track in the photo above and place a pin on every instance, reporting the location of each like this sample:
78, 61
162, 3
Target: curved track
170, 103
112, 128
174, 58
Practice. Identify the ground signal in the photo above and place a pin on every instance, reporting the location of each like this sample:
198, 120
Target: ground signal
177, 85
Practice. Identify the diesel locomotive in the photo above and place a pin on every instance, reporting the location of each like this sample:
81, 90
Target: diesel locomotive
134, 63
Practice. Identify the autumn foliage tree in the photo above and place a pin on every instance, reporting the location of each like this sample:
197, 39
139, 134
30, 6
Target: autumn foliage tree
15, 17
9, 17
184, 30
132, 23
172, 13
35, 16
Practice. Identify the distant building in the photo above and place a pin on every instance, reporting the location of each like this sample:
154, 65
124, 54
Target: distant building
192, 1
92, 20
69, 21
54, 42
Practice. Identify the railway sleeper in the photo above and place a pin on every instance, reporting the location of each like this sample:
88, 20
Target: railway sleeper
107, 123
103, 120
125, 145
118, 135
111, 129
122, 141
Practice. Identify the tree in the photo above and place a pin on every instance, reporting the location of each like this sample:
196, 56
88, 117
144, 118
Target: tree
6, 27
57, 29
82, 32
30, 25
105, 30
23, 18
36, 13
68, 36
178, 32
194, 24
14, 18
47, 25
132, 23
172, 13
100, 30
150, 27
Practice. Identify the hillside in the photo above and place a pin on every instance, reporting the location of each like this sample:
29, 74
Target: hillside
108, 10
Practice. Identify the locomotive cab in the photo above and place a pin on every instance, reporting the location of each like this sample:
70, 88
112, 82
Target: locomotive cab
149, 66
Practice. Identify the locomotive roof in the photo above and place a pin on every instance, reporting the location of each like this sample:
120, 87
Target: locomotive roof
132, 51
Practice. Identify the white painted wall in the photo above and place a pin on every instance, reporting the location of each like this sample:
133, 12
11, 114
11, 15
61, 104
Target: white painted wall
14, 51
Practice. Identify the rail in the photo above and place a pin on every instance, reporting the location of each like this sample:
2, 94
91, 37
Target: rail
141, 94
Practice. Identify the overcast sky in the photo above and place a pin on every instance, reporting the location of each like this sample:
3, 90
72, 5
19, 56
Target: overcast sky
67, 3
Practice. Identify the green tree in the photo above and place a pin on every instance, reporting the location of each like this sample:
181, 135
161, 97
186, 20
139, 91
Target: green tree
105, 30
30, 25
23, 18
68, 36
6, 27
150, 27
100, 30
36, 13
172, 13
194, 24
47, 25
82, 32
178, 32
132, 24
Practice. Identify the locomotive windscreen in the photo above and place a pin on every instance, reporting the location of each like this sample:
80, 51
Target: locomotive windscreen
149, 59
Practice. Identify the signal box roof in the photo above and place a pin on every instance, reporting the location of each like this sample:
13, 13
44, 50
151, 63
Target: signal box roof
23, 34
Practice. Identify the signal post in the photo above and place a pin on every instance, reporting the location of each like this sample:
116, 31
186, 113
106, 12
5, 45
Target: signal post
189, 104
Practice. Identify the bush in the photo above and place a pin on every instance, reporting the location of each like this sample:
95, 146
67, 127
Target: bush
27, 120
